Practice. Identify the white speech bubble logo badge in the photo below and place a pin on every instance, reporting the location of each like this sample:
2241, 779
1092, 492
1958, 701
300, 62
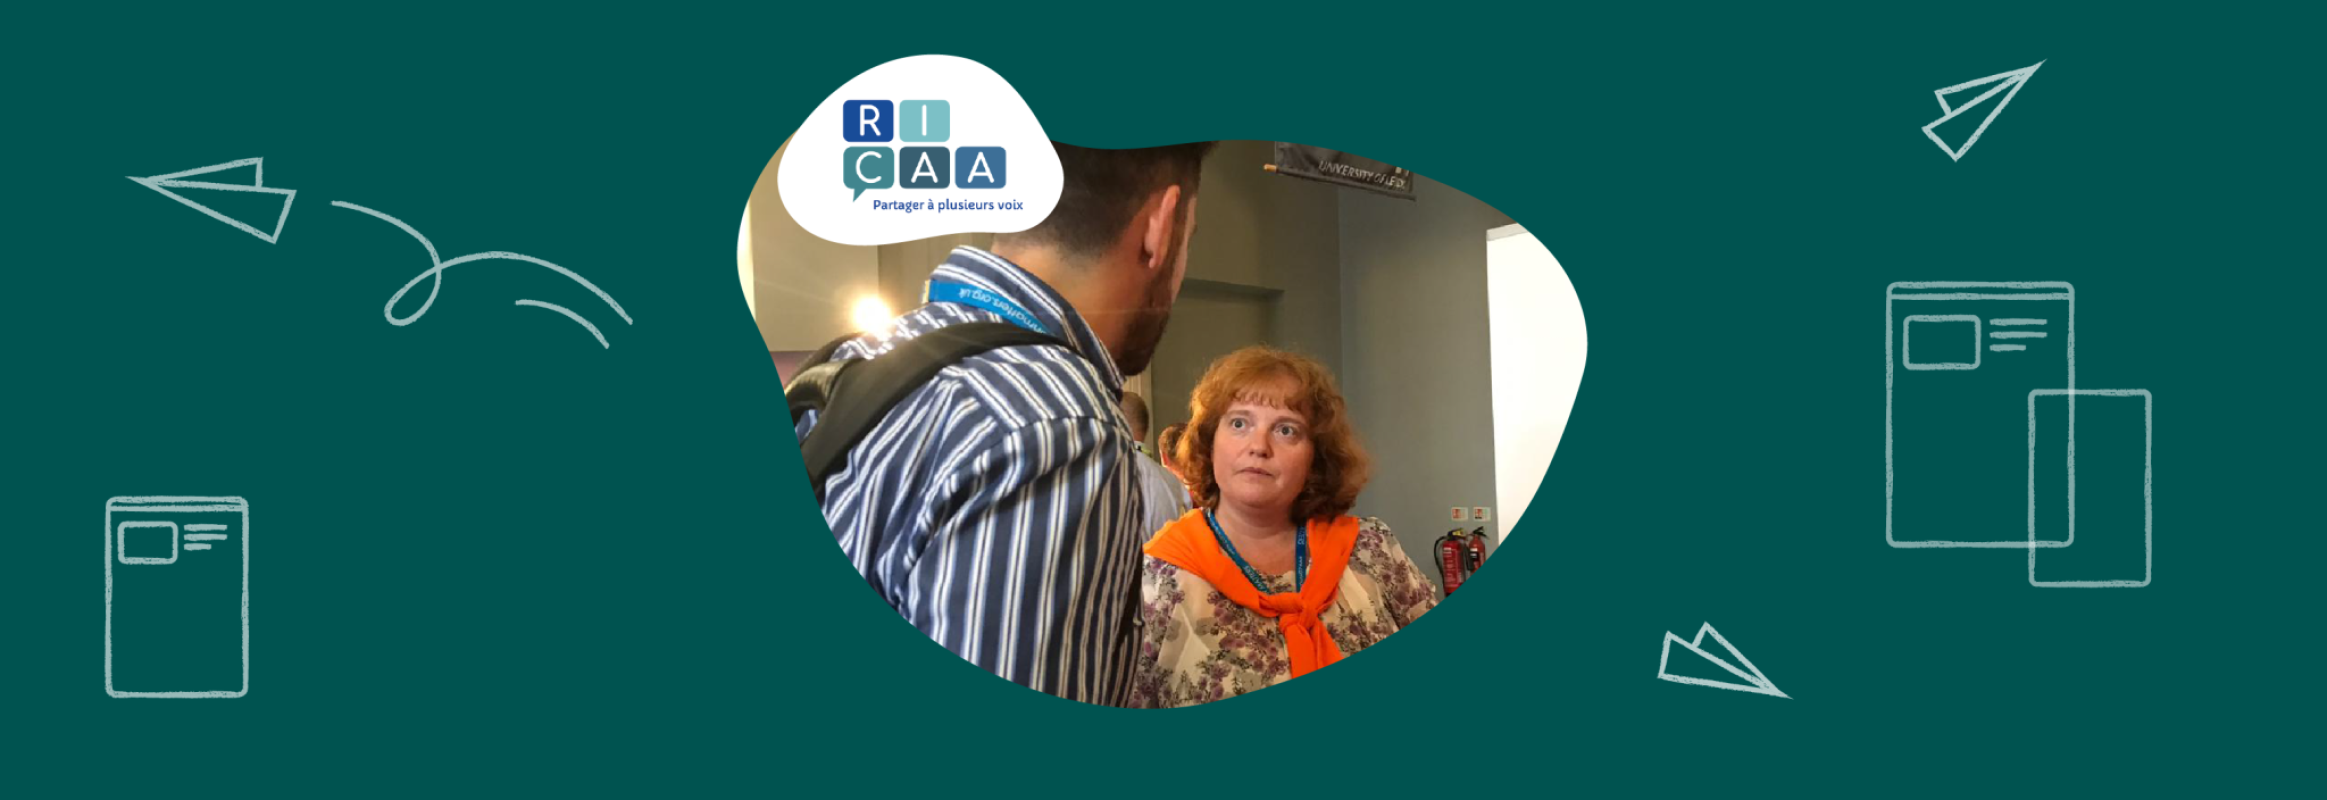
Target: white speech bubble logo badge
919, 147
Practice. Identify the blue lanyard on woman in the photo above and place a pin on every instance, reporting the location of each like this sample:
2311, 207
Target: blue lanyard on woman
1300, 556
965, 294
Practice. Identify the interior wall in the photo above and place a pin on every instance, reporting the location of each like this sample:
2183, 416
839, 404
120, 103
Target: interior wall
744, 269
803, 287
1414, 356
1537, 324
1258, 235
1210, 319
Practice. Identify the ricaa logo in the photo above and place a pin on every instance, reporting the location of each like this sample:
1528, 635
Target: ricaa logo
866, 168
926, 146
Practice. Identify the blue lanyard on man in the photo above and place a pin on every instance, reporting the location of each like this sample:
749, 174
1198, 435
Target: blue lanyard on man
977, 297
1300, 556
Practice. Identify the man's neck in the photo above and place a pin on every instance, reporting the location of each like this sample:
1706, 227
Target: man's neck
1080, 286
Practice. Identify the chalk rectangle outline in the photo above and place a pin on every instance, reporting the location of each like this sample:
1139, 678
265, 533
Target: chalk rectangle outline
177, 504
121, 542
1907, 341
2148, 442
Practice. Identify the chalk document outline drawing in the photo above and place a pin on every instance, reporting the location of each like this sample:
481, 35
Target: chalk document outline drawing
439, 265
2007, 82
1892, 328
164, 183
180, 505
1754, 682
2148, 441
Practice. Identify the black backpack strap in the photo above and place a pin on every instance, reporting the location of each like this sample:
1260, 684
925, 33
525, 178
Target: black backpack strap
852, 396
824, 353
812, 385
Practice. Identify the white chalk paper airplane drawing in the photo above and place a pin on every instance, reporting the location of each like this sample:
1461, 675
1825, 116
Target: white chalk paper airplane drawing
2008, 83
177, 180
1755, 682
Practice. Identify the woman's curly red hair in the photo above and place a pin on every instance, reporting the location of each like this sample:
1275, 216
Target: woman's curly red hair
1259, 374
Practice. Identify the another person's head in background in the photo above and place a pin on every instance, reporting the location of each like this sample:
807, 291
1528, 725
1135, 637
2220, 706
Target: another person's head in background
1135, 413
1269, 440
1167, 448
1116, 246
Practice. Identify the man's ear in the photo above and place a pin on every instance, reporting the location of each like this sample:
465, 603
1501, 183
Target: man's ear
1162, 210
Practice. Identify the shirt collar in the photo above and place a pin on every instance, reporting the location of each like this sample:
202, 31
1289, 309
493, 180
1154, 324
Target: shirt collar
996, 274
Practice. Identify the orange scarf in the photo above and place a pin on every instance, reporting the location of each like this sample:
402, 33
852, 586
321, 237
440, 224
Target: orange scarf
1188, 544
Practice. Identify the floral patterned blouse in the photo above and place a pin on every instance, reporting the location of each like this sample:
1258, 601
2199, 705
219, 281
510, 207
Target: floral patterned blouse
1197, 646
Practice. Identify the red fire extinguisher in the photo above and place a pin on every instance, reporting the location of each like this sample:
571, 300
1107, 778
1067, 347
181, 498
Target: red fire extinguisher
1475, 554
1453, 559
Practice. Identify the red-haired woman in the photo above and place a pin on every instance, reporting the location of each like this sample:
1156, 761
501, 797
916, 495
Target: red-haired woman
1269, 578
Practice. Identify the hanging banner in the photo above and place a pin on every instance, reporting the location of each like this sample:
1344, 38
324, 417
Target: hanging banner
1336, 167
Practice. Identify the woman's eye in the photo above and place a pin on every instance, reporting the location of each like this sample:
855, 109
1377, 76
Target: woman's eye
1288, 431
1236, 424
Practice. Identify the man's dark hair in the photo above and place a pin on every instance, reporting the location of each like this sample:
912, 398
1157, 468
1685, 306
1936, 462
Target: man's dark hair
1135, 412
1103, 190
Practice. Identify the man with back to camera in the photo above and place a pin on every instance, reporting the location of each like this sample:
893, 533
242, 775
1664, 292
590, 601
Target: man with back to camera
998, 507
1165, 495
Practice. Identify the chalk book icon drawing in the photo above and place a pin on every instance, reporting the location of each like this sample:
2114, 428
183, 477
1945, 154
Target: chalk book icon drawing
1981, 435
2006, 84
171, 184
1750, 675
177, 597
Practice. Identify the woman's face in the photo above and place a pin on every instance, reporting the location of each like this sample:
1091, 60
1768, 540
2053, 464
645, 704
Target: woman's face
1261, 456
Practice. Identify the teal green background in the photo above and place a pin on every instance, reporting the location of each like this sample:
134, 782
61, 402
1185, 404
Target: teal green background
488, 555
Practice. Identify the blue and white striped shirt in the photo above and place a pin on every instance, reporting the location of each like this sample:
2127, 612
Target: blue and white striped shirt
998, 507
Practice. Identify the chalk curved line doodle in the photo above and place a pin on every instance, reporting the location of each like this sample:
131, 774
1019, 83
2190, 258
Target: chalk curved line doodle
577, 318
436, 272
